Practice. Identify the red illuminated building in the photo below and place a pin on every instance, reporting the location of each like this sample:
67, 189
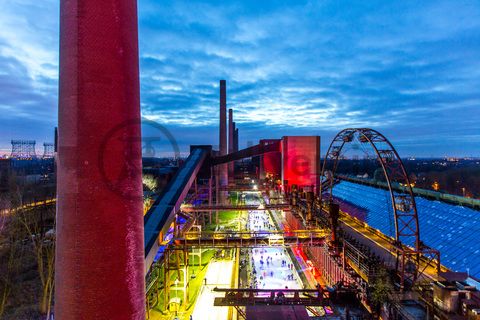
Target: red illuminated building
300, 162
270, 162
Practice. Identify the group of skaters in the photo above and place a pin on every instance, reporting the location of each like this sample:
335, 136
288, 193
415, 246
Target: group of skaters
269, 263
269, 266
290, 265
259, 222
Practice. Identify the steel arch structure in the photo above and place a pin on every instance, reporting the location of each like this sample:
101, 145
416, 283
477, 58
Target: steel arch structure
407, 229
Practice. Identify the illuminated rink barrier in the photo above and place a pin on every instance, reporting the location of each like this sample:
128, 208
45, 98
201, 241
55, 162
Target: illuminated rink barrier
451, 229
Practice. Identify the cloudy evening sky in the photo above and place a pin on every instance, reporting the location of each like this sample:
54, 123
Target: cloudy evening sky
410, 69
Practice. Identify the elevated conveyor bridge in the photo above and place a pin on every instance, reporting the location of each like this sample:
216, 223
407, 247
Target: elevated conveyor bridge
250, 239
189, 209
161, 215
250, 297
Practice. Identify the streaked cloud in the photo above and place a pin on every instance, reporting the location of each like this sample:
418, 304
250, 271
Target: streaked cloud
408, 69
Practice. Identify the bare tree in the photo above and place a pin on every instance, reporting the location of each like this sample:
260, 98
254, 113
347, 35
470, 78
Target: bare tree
27, 239
150, 184
36, 222
11, 251
7, 253
8, 271
4, 212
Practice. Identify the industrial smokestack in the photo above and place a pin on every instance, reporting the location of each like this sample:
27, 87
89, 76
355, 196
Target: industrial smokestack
223, 118
230, 130
99, 260
55, 140
234, 128
223, 174
230, 146
235, 139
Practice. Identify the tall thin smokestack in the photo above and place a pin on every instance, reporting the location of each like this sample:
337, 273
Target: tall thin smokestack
234, 128
230, 146
223, 174
235, 139
230, 130
55, 142
223, 117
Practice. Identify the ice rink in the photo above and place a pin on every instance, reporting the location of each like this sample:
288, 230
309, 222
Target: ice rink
272, 268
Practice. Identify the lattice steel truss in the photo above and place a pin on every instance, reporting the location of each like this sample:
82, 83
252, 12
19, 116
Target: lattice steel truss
23, 149
407, 230
404, 208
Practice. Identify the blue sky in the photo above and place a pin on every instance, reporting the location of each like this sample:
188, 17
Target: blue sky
410, 69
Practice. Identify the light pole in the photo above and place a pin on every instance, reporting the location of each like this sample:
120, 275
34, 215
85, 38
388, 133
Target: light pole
176, 289
176, 285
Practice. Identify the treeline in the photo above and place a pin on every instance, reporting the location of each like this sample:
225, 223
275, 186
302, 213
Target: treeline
460, 178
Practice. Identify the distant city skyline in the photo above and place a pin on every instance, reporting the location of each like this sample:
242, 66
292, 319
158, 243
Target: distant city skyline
407, 69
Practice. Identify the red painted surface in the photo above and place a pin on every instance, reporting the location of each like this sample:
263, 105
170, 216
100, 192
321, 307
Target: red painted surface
316, 253
293, 222
301, 161
100, 253
329, 267
271, 162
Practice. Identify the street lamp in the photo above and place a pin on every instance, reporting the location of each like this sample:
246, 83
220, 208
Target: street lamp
176, 298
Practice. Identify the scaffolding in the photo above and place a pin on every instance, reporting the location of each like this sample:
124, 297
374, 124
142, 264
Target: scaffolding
176, 262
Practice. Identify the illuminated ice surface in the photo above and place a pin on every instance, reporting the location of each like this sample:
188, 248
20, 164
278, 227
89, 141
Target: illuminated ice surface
274, 275
452, 229
271, 274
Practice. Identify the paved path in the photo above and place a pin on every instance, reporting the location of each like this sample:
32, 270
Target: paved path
219, 274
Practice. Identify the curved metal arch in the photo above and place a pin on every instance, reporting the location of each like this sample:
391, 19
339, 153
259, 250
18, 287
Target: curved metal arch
407, 230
